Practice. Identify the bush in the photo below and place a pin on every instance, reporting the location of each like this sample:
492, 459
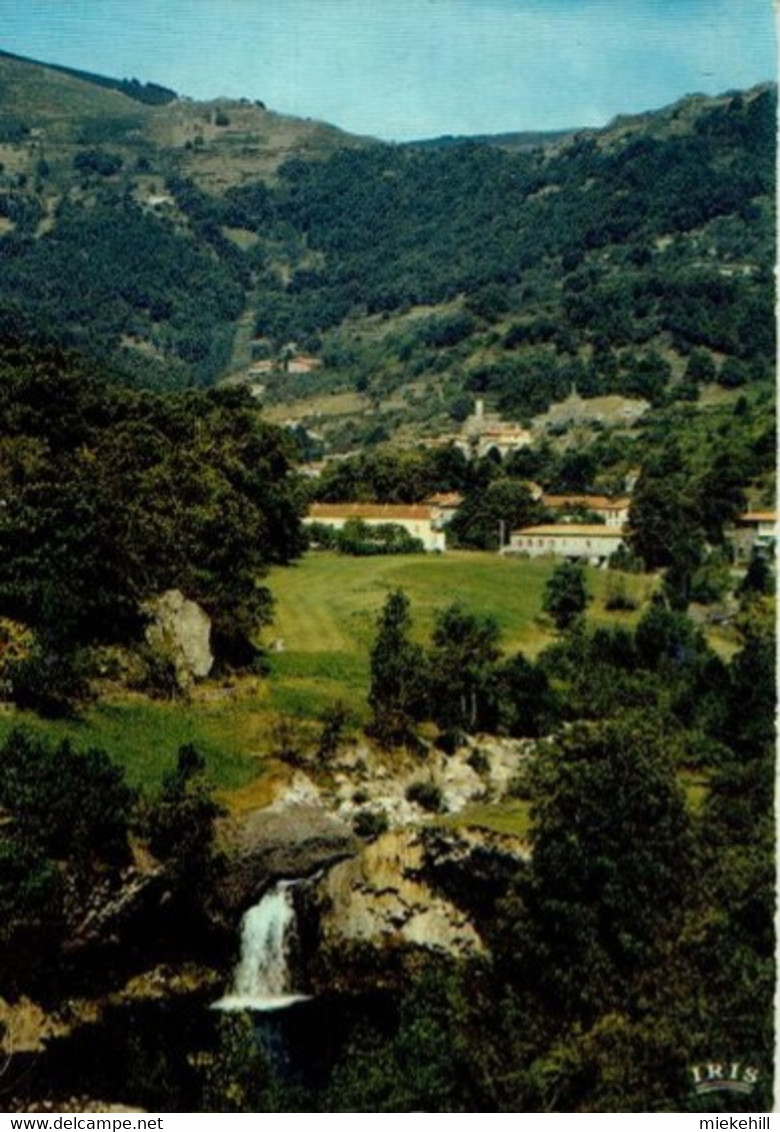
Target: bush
288, 741
624, 560
71, 805
370, 824
97, 161
478, 761
335, 719
49, 681
427, 795
156, 676
181, 823
450, 740
617, 597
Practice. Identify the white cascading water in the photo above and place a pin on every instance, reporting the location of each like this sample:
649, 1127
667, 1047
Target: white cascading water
261, 980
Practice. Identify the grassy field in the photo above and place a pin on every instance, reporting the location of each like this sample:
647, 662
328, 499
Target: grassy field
328, 604
144, 736
327, 608
326, 612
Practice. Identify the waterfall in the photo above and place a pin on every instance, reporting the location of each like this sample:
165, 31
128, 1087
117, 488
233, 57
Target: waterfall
262, 977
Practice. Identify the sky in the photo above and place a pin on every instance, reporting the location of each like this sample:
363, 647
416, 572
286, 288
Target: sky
405, 69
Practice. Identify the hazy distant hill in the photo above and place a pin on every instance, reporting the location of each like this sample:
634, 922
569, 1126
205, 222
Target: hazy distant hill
149, 93
520, 140
185, 241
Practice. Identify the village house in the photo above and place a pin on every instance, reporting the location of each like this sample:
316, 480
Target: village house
417, 519
482, 433
755, 530
578, 542
614, 512
443, 505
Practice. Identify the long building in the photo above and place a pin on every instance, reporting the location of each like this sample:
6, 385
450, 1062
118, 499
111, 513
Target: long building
581, 542
418, 519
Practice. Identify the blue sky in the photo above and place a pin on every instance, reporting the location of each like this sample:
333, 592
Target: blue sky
401, 69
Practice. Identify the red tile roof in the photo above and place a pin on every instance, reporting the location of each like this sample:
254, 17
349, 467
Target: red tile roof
758, 517
592, 502
390, 512
445, 499
561, 530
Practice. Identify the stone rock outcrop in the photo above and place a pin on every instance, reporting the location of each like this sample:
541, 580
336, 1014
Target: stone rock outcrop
115, 908
181, 630
280, 843
382, 898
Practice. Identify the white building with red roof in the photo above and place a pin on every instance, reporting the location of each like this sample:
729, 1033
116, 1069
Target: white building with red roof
417, 518
581, 542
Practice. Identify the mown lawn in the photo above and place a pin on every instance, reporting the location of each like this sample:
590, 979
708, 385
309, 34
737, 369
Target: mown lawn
327, 608
329, 603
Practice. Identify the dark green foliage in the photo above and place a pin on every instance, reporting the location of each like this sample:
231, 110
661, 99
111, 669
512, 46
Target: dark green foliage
526, 705
70, 805
13, 130
397, 691
612, 857
425, 794
385, 475
370, 824
335, 719
30, 894
181, 827
97, 161
51, 679
361, 539
427, 1065
139, 279
112, 497
565, 595
758, 577
487, 513
381, 229
460, 667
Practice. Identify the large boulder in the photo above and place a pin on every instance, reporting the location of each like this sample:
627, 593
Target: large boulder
180, 629
280, 843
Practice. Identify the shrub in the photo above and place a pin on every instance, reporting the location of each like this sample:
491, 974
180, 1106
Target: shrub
335, 718
49, 681
427, 795
288, 741
450, 740
181, 822
478, 761
97, 161
617, 597
370, 824
71, 805
156, 676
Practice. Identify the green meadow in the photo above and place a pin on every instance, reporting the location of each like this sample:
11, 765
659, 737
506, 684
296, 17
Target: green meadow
325, 618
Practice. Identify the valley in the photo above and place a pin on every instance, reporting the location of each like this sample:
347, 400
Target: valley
387, 565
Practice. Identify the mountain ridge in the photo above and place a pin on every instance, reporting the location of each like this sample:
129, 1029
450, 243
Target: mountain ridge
220, 238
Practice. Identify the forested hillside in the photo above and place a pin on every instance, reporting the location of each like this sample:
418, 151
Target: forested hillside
182, 241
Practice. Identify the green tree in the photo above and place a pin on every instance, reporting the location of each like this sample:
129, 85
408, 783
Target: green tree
613, 855
526, 704
460, 665
181, 829
397, 690
565, 595
503, 505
